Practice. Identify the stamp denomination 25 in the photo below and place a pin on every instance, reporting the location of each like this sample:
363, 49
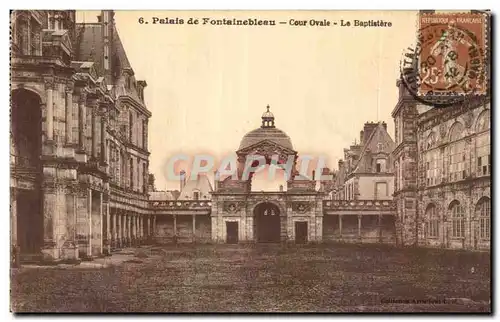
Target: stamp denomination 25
448, 61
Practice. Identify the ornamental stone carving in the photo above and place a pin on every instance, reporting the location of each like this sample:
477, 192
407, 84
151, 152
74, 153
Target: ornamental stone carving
233, 206
301, 206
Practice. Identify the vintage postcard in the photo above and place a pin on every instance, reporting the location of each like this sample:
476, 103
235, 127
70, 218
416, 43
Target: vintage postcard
250, 161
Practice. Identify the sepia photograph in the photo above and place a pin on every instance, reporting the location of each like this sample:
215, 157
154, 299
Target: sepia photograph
250, 161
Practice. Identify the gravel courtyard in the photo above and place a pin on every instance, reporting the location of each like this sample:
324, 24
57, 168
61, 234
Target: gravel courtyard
262, 278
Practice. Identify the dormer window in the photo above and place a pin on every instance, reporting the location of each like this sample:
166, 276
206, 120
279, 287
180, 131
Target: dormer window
380, 166
196, 195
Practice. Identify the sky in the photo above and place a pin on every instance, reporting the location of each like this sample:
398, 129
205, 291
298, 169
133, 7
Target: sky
209, 85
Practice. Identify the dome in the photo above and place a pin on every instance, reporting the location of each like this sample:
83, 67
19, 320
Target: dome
266, 132
270, 133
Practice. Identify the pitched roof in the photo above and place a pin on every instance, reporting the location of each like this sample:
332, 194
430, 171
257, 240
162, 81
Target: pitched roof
378, 136
162, 195
90, 45
201, 184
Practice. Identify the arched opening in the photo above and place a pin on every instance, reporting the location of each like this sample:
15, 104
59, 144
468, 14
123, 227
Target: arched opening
457, 216
25, 150
26, 128
267, 221
432, 221
483, 215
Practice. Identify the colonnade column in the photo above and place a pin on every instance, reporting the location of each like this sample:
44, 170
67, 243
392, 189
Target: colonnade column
194, 228
120, 227
359, 227
114, 231
141, 228
153, 228
148, 228
108, 226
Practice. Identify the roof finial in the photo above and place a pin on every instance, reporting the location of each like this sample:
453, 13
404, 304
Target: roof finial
267, 118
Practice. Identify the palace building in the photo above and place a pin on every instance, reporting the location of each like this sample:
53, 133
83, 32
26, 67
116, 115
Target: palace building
79, 151
80, 183
442, 166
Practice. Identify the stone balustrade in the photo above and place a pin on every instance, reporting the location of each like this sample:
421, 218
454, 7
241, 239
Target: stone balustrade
181, 204
359, 205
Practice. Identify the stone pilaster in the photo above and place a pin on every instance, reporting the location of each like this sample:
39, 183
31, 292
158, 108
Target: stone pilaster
149, 229
96, 240
107, 215
69, 113
129, 229
49, 113
82, 121
69, 212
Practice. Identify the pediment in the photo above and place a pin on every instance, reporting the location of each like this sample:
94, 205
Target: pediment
266, 147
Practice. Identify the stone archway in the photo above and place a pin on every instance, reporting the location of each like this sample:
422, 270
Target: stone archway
267, 223
25, 151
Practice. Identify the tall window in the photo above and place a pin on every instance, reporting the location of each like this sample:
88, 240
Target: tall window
396, 171
139, 177
483, 150
483, 209
138, 130
196, 195
398, 125
131, 173
457, 154
432, 159
432, 223
123, 170
457, 219
145, 178
144, 134
130, 125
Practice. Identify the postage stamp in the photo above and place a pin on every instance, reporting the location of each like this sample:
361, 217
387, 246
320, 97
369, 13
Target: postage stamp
449, 59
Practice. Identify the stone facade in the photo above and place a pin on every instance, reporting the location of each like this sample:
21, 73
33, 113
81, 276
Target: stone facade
79, 158
242, 209
443, 166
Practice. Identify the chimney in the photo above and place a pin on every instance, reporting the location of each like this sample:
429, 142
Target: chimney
341, 164
384, 125
183, 179
106, 19
281, 188
361, 136
368, 130
216, 180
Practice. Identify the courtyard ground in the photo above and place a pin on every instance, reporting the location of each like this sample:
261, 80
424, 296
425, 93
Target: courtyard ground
260, 278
